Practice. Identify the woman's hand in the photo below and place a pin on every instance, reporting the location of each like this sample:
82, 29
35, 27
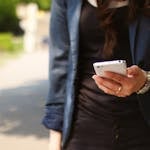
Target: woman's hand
55, 140
120, 85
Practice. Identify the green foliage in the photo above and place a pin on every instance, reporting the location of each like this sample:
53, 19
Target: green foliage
8, 18
43, 4
6, 42
9, 43
10, 47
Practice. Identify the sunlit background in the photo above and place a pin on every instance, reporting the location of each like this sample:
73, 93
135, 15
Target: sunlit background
24, 26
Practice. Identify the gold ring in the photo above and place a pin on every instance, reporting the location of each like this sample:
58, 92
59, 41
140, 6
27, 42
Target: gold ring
119, 89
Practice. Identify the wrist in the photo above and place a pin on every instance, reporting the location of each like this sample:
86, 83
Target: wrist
146, 87
55, 136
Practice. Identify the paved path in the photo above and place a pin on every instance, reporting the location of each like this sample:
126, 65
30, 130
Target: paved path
23, 89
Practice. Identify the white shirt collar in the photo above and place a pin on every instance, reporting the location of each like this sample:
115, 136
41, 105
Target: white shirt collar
113, 4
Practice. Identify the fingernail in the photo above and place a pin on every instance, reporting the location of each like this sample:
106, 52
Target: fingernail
93, 76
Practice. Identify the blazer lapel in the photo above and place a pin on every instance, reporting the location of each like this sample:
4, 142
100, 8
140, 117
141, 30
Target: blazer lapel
74, 11
132, 37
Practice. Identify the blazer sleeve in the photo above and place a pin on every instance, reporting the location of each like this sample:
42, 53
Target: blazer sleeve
58, 60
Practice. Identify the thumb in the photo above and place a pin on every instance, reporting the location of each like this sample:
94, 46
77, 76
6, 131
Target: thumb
133, 70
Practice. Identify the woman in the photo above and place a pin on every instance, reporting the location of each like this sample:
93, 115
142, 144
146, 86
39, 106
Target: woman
88, 112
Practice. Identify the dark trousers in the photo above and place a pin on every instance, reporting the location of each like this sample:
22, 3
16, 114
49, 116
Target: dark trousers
122, 133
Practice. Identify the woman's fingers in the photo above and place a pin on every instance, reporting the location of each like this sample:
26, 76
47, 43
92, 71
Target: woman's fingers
133, 70
138, 75
107, 85
115, 77
113, 88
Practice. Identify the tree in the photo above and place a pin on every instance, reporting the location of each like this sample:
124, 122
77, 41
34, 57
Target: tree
43, 4
8, 18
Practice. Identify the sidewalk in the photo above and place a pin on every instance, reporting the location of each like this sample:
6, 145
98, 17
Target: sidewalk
23, 89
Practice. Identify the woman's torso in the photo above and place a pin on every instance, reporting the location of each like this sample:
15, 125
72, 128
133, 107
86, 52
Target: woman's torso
97, 114
90, 50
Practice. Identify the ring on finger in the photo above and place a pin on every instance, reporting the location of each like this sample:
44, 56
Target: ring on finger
119, 89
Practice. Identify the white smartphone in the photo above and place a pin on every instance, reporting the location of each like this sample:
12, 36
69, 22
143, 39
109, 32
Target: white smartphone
117, 66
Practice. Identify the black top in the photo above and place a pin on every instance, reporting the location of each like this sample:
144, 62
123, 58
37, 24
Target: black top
91, 44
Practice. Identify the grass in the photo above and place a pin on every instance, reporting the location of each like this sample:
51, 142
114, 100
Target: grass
10, 46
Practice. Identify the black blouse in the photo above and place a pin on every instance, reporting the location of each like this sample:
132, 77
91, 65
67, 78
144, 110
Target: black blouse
89, 96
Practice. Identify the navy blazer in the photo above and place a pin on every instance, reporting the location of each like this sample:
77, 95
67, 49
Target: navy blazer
64, 37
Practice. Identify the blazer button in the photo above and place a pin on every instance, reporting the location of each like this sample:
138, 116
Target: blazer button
116, 136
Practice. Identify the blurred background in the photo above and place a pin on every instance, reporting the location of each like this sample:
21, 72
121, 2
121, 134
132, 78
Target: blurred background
24, 29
